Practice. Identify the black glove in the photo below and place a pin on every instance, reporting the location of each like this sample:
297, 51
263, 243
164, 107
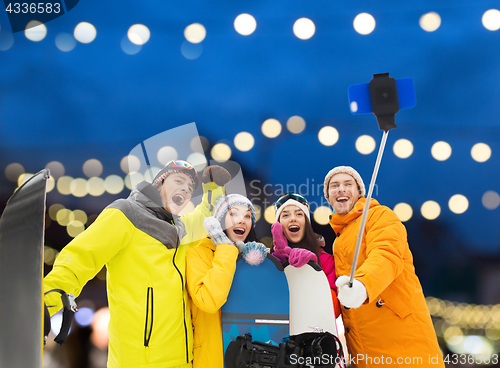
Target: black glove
217, 174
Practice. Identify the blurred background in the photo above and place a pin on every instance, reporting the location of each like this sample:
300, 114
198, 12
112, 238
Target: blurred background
266, 84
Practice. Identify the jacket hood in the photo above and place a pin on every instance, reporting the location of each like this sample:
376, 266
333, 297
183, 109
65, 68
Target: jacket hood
148, 197
337, 222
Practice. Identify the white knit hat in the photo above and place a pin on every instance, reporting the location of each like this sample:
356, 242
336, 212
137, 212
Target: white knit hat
344, 170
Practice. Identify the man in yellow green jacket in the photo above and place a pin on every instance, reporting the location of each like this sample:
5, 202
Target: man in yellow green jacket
385, 315
143, 244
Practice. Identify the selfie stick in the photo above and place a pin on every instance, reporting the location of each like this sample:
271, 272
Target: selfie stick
367, 207
385, 105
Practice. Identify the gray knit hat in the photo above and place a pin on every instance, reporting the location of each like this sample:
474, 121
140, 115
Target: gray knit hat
224, 203
344, 170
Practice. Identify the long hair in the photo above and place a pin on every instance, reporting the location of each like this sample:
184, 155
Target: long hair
310, 241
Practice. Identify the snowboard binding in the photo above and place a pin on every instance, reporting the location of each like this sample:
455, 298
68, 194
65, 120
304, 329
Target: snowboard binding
69, 309
321, 350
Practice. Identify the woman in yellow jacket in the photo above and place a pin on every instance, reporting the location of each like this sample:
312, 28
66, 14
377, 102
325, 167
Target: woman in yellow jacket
210, 269
385, 314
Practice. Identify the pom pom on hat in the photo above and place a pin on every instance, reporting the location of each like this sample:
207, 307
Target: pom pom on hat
344, 170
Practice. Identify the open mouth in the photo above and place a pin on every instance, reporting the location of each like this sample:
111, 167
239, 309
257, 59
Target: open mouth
342, 199
178, 199
294, 229
239, 231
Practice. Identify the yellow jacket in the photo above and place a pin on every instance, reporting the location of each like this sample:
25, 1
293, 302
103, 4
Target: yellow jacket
150, 323
209, 273
401, 328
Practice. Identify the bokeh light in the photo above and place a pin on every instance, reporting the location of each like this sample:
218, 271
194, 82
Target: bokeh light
84, 316
95, 187
365, 144
304, 28
54, 209
49, 255
63, 217
296, 124
491, 20
99, 336
150, 173
430, 210
56, 169
13, 171
78, 187
51, 184
56, 323
198, 160
85, 32
481, 152
364, 23
269, 215
35, 31
441, 151
221, 152
191, 51
458, 203
245, 24
166, 154
6, 40
322, 215
403, 148
195, 33
23, 178
75, 228
92, 168
404, 211
63, 185
79, 215
128, 47
430, 21
133, 179
271, 128
328, 136
258, 212
491, 200
65, 42
130, 164
113, 184
244, 141
138, 34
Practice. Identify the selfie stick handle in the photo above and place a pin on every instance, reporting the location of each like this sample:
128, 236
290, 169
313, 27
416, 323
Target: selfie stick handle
367, 207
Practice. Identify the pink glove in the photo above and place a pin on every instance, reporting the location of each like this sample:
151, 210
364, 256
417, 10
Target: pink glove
281, 246
300, 256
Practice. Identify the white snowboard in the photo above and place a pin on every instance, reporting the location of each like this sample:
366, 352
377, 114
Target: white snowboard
311, 305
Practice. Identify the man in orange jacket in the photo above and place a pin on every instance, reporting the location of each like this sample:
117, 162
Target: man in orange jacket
385, 315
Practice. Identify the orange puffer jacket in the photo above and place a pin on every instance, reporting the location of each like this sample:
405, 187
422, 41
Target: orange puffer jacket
393, 327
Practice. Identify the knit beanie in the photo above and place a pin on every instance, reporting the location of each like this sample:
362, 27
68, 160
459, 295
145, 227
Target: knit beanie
300, 202
224, 203
176, 166
344, 170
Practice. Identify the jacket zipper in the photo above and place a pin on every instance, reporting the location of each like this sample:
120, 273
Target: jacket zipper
149, 328
183, 302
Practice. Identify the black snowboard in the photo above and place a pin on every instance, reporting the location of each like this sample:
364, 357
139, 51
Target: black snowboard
22, 228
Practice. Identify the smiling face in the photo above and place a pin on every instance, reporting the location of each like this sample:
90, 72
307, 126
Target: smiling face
293, 222
343, 193
176, 192
238, 222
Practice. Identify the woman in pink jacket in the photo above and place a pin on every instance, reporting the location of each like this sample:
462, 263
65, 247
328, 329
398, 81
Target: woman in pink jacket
295, 241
